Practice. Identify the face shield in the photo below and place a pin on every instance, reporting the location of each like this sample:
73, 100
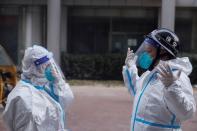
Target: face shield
49, 68
146, 53
55, 68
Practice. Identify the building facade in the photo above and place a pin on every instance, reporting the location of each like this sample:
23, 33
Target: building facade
92, 26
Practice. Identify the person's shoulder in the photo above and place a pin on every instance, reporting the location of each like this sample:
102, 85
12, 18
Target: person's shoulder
22, 90
20, 97
22, 86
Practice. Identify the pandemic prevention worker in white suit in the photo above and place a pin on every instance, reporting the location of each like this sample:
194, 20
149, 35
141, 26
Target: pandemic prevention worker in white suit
41, 98
163, 95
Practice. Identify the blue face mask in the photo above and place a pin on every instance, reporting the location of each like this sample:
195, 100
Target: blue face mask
49, 74
145, 60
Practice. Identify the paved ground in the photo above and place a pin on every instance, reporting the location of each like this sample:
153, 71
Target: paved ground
100, 109
104, 109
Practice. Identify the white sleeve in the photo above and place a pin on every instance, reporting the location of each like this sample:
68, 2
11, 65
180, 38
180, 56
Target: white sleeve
16, 116
8, 114
130, 76
65, 94
179, 98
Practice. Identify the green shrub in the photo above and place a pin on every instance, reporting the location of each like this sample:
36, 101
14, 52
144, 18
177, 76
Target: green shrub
101, 67
95, 67
193, 75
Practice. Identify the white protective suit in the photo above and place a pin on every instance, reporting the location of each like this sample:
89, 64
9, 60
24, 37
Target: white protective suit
155, 107
36, 104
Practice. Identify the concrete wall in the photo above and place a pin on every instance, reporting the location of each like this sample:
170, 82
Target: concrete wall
156, 3
30, 29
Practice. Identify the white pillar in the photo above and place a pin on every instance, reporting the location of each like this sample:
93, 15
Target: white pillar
36, 25
30, 28
64, 28
53, 27
33, 26
168, 14
21, 34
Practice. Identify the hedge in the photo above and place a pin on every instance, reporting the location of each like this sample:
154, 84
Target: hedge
101, 67
94, 67
193, 75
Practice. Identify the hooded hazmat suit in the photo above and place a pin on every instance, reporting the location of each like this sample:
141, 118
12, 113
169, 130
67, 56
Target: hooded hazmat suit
155, 107
36, 103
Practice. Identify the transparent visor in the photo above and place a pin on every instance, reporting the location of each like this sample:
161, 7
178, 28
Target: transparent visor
146, 53
43, 63
54, 66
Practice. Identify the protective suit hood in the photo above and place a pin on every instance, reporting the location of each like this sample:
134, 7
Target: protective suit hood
181, 63
157, 107
29, 69
38, 103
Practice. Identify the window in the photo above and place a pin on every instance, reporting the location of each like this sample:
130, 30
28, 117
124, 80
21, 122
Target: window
9, 30
129, 32
104, 30
88, 35
186, 28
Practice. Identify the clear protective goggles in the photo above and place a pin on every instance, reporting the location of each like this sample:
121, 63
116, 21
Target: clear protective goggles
146, 53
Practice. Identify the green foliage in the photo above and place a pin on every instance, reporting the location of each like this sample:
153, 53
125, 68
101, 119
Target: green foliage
102, 67
94, 67
193, 75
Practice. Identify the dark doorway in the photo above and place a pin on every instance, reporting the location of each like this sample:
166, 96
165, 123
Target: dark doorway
9, 35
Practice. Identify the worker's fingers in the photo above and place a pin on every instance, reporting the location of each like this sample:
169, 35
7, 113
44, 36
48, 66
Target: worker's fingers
168, 68
179, 73
128, 49
135, 58
130, 56
129, 52
159, 76
162, 71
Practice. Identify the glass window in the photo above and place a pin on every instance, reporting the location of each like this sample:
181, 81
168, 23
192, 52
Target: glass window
9, 30
103, 30
186, 28
88, 35
129, 32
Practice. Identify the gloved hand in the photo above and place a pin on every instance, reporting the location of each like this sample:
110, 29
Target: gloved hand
166, 75
131, 58
51, 74
57, 75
